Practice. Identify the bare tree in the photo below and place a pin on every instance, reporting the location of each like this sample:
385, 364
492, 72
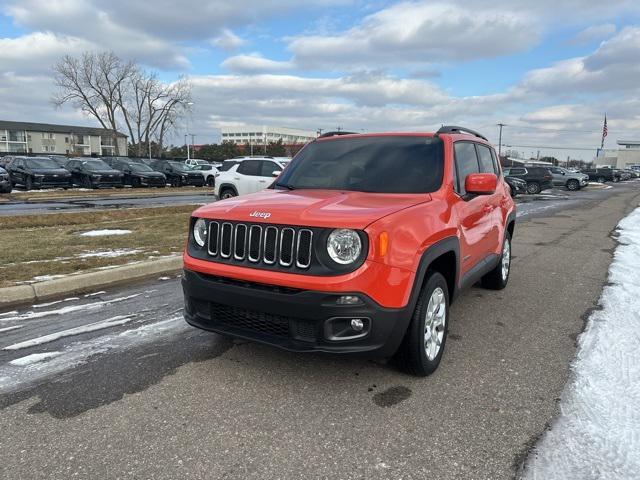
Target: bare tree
111, 90
92, 83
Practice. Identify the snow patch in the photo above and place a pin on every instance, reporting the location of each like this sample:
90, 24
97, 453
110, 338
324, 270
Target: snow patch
33, 358
596, 434
91, 327
8, 329
120, 252
104, 232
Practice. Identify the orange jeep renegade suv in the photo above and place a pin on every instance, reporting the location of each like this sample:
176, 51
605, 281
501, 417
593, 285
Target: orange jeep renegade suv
359, 246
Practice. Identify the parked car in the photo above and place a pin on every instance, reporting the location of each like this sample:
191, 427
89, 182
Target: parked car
178, 174
94, 173
517, 185
138, 174
624, 175
208, 171
566, 178
248, 176
602, 175
538, 178
633, 173
38, 172
195, 161
5, 160
352, 250
5, 181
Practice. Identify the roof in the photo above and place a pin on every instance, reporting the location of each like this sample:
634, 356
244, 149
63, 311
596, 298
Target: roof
628, 142
49, 127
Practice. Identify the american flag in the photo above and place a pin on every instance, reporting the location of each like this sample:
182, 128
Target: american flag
604, 131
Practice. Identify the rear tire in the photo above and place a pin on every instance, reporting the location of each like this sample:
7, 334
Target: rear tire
227, 193
423, 344
573, 185
533, 188
498, 278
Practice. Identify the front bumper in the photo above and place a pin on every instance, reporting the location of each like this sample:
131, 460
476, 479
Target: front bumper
292, 319
52, 182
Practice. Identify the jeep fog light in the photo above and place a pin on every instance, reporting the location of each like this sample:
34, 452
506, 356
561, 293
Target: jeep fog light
344, 246
357, 325
200, 232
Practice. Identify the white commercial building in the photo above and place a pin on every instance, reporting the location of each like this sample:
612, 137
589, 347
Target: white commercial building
627, 154
259, 135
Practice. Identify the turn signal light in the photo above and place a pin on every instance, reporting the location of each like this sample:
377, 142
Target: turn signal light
383, 243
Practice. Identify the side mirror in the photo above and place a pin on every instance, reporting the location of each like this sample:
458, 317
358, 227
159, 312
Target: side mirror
481, 183
275, 173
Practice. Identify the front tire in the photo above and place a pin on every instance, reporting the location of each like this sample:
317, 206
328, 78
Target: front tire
573, 185
498, 278
211, 182
533, 188
600, 179
423, 344
28, 183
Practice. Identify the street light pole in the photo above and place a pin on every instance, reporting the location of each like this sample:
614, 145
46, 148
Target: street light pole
186, 144
500, 139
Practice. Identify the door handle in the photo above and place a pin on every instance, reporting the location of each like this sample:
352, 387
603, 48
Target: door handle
236, 178
262, 181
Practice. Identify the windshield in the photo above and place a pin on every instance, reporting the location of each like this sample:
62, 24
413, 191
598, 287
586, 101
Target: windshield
41, 163
96, 165
181, 167
140, 167
387, 164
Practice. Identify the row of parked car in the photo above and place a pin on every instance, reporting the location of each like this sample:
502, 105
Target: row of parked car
533, 180
58, 171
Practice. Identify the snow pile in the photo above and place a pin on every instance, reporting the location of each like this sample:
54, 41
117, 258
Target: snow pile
33, 358
597, 434
104, 232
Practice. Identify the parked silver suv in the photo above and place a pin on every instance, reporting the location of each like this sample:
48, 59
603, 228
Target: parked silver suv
566, 178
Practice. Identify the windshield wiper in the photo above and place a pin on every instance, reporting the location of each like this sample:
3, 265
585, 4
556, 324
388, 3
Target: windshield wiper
282, 185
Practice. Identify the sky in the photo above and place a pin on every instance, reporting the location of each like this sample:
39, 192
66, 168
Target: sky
549, 70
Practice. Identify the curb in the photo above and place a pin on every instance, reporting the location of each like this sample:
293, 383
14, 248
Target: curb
84, 282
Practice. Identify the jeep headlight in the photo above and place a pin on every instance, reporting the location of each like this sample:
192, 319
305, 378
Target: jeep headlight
200, 232
344, 246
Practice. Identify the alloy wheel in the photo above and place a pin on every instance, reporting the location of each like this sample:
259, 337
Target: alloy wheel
434, 323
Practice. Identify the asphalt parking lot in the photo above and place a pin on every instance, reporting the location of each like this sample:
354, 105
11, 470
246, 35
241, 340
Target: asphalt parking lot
153, 398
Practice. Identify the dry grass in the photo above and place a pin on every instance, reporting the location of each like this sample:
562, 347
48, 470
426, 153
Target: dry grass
36, 245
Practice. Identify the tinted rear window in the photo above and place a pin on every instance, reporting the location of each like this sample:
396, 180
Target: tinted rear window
369, 164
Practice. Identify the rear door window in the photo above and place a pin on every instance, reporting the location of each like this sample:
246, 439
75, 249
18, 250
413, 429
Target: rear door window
268, 168
466, 163
485, 160
250, 167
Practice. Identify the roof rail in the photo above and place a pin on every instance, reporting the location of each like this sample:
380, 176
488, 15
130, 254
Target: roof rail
454, 129
333, 134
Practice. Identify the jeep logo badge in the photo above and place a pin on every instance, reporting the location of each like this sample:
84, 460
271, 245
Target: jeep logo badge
264, 215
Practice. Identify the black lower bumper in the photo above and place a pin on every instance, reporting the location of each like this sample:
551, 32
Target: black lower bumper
296, 320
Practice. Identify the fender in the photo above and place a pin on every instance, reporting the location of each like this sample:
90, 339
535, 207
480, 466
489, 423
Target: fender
446, 245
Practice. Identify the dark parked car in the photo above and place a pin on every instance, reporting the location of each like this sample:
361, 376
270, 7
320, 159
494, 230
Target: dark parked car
517, 185
138, 174
38, 172
178, 174
5, 181
94, 173
602, 175
537, 178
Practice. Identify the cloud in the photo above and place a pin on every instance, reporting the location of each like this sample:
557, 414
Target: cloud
593, 33
417, 32
254, 63
227, 40
613, 67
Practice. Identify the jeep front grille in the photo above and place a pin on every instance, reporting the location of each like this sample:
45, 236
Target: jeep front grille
268, 244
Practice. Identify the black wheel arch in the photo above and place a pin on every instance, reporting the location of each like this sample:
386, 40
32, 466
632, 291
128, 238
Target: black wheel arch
443, 257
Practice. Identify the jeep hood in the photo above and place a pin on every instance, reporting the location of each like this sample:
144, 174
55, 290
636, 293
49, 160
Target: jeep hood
317, 208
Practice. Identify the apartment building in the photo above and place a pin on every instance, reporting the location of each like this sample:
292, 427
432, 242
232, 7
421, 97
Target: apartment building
43, 138
259, 135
